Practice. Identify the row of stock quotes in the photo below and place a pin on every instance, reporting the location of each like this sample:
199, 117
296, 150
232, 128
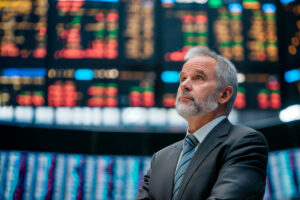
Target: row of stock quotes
83, 87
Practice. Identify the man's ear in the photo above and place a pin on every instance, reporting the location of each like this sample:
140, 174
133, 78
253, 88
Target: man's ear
225, 94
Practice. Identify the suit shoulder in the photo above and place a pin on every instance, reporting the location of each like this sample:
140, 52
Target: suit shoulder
169, 148
244, 130
240, 131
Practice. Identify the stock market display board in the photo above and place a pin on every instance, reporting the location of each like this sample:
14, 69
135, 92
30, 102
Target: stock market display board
115, 55
61, 176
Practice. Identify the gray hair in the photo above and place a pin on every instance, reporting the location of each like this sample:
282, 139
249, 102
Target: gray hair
225, 71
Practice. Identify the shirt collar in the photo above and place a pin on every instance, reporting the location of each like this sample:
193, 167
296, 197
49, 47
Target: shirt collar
202, 132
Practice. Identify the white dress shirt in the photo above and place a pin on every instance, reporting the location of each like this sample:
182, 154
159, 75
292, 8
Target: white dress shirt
202, 132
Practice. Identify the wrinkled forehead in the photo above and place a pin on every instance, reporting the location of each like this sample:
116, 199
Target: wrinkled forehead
204, 63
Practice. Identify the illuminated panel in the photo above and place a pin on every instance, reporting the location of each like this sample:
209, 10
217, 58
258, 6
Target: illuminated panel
261, 67
292, 75
23, 51
258, 90
227, 28
23, 29
23, 86
141, 96
245, 32
281, 175
192, 30
86, 29
62, 94
138, 32
271, 43
28, 175
32, 175
101, 49
263, 91
102, 95
240, 101
237, 45
102, 30
241, 31
100, 88
261, 43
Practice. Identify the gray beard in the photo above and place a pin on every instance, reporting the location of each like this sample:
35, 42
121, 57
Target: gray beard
196, 107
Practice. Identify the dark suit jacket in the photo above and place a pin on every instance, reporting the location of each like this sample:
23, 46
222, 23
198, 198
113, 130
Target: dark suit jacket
230, 163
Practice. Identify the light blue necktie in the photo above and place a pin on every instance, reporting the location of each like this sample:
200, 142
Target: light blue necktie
188, 151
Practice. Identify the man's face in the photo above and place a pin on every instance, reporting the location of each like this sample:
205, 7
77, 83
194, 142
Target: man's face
197, 93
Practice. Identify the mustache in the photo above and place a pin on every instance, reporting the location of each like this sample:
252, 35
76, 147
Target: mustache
186, 94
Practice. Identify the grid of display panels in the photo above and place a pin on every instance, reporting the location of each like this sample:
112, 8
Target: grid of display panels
29, 175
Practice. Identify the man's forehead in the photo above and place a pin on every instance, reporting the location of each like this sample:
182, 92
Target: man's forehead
201, 64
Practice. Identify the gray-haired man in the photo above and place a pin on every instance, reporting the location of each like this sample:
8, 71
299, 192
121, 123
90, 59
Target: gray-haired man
216, 160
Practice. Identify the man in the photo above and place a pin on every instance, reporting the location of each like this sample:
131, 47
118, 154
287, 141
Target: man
217, 160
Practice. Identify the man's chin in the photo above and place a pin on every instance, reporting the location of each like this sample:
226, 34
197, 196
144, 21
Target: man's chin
185, 110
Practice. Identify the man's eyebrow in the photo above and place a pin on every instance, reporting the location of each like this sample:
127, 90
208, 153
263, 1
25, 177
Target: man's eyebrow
200, 72
196, 70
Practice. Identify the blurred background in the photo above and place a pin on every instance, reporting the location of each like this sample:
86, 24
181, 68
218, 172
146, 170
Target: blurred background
87, 89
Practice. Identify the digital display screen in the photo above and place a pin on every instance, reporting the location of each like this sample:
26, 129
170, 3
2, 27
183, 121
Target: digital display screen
283, 175
243, 31
103, 32
23, 33
28, 175
123, 54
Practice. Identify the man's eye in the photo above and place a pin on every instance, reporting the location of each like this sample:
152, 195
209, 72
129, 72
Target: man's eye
199, 78
182, 79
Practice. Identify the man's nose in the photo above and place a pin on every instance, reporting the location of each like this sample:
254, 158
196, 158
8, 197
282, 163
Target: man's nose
186, 85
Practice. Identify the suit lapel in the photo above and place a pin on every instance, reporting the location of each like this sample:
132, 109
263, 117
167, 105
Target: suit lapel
214, 138
169, 169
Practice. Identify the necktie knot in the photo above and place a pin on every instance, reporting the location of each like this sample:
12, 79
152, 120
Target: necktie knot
191, 140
